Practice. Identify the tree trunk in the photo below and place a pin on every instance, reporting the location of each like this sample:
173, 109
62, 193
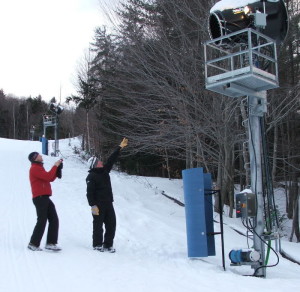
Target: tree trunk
167, 163
83, 142
201, 154
295, 225
189, 152
218, 186
14, 121
88, 132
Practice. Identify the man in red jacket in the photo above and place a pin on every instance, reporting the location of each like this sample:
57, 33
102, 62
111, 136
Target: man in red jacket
41, 191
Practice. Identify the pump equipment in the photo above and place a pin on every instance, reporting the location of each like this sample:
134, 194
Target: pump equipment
244, 256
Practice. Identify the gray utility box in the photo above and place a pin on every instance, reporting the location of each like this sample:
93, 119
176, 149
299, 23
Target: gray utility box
245, 204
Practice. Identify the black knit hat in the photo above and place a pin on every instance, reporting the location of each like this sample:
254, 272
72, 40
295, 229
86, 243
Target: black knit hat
32, 156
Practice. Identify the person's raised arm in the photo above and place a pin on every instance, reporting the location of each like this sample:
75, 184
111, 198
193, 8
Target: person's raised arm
48, 176
113, 157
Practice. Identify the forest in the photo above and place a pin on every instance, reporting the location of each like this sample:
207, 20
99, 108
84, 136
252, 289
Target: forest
145, 81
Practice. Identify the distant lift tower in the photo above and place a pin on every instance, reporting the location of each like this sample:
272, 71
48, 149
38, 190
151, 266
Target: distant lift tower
241, 60
53, 121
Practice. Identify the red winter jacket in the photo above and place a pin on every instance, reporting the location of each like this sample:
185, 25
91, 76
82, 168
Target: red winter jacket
40, 179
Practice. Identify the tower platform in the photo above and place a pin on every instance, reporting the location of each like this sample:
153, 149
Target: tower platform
245, 69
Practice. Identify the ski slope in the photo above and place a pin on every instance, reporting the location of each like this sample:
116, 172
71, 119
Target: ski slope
150, 239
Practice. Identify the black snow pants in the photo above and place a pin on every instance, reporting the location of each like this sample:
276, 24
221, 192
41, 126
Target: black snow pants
45, 210
107, 217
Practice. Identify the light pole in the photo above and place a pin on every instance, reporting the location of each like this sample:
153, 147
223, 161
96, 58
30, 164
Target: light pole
32, 130
57, 110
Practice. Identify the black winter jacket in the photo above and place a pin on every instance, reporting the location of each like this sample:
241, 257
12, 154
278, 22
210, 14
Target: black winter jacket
98, 182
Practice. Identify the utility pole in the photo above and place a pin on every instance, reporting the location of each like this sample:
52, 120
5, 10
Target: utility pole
56, 142
57, 110
53, 121
257, 109
32, 130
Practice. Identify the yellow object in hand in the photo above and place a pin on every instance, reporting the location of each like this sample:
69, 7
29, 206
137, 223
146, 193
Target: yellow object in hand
95, 210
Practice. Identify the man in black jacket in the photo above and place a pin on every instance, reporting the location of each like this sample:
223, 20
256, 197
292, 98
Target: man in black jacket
100, 198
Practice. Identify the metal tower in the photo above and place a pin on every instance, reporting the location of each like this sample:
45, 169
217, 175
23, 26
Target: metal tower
241, 60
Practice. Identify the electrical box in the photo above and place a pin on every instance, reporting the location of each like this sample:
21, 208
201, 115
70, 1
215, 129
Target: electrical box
245, 205
260, 19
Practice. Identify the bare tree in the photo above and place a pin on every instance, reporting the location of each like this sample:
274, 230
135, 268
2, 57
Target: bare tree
87, 94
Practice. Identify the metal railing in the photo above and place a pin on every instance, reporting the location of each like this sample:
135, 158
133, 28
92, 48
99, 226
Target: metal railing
249, 63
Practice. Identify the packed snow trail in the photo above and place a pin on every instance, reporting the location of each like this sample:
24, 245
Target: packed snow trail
150, 238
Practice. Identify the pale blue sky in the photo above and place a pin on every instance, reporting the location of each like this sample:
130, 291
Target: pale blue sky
42, 42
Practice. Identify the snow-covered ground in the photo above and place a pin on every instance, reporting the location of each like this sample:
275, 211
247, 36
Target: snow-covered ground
150, 239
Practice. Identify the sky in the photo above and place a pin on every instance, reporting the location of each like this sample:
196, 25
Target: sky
150, 242
42, 43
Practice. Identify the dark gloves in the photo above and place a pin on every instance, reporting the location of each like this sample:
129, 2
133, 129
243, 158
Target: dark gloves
58, 171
